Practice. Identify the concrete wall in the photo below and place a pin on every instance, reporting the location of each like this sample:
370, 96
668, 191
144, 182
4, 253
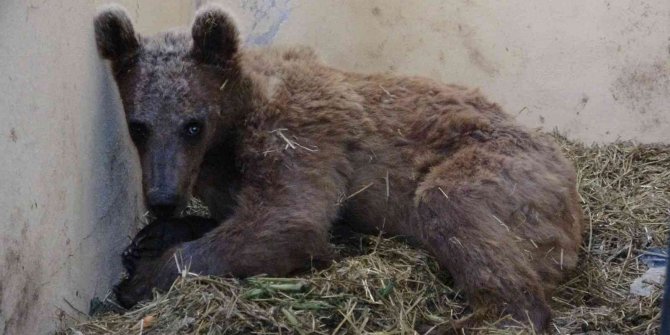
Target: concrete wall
598, 70
68, 180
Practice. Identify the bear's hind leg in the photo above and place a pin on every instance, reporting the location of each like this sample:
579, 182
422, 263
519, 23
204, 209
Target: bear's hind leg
483, 257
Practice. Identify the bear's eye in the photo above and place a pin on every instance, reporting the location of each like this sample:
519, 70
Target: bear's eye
139, 132
192, 130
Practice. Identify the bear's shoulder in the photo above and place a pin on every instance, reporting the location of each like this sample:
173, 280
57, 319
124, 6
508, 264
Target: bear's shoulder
296, 74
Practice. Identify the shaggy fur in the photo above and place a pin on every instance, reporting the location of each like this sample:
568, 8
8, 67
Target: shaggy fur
286, 146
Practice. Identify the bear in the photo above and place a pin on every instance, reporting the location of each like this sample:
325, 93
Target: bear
280, 147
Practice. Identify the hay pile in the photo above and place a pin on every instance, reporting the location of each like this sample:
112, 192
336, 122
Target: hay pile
385, 287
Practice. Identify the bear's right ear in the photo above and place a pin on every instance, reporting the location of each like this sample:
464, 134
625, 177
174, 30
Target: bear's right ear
215, 37
114, 33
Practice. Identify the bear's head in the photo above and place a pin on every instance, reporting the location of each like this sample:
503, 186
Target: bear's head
181, 94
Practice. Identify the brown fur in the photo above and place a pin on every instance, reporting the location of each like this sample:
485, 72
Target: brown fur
291, 145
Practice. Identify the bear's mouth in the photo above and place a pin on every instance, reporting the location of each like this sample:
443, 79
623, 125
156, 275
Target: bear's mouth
164, 211
168, 208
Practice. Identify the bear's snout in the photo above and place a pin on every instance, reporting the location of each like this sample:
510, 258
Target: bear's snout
162, 204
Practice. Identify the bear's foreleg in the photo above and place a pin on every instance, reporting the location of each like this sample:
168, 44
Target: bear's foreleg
276, 229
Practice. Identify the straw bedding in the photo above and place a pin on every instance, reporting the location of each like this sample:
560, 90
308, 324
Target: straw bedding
385, 286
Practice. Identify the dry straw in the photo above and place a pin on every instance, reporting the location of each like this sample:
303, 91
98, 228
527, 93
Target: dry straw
384, 286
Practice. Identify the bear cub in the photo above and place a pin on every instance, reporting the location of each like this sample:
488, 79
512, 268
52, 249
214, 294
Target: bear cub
280, 146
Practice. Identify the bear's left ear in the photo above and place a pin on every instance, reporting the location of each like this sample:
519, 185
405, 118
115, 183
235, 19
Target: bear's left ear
114, 33
215, 37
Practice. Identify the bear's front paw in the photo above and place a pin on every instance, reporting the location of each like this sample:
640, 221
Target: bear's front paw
147, 245
162, 234
159, 272
130, 291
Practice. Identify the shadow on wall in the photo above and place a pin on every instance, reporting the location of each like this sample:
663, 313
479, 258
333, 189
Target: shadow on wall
118, 177
114, 185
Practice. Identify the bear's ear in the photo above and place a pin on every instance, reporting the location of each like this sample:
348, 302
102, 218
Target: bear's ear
114, 33
215, 37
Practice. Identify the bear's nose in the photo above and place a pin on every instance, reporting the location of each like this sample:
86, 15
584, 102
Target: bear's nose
162, 204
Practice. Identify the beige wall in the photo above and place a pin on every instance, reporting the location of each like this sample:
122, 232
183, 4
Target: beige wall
152, 16
597, 70
68, 179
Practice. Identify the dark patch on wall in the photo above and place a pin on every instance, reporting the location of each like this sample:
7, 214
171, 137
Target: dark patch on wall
21, 316
639, 86
28, 295
644, 89
478, 60
21, 278
470, 43
391, 17
584, 101
12, 135
582, 104
376, 11
12, 259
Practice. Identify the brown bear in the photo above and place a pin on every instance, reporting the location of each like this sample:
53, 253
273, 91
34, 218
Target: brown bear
281, 146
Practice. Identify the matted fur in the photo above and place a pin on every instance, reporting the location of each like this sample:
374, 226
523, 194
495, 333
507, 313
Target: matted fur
291, 146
